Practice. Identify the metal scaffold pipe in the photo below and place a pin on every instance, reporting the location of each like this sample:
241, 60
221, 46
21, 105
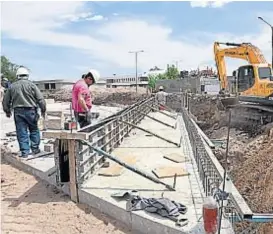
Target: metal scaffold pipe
133, 169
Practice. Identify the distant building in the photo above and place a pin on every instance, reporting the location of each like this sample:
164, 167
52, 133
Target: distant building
126, 81
53, 85
211, 85
100, 83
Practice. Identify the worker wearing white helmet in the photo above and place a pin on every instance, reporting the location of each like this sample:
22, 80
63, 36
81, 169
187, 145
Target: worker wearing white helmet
24, 98
81, 97
161, 97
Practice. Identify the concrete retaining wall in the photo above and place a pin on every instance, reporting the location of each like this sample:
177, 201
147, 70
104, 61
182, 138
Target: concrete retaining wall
174, 86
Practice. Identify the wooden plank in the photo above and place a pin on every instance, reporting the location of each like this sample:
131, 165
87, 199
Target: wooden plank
72, 171
115, 169
169, 172
178, 158
64, 134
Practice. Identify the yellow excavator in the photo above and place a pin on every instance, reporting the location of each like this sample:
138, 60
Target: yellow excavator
251, 86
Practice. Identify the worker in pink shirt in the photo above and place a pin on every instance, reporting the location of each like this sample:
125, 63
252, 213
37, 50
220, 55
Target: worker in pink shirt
81, 98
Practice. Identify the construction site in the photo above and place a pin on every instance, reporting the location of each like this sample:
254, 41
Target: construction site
199, 163
137, 150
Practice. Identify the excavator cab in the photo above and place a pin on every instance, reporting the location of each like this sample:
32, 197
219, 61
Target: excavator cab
250, 83
244, 79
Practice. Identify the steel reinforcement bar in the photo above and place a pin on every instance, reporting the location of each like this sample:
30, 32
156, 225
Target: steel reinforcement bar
211, 171
106, 135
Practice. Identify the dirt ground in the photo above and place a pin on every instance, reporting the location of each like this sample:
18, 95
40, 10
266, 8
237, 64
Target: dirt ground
32, 206
104, 96
250, 161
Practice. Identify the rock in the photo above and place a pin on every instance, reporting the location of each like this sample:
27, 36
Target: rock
239, 153
48, 148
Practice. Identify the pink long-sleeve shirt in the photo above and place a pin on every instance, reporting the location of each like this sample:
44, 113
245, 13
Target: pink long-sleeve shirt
80, 87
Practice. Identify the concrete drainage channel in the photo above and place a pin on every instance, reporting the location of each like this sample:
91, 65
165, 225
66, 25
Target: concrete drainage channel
154, 154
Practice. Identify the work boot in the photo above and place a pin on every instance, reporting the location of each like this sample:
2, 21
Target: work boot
24, 156
36, 151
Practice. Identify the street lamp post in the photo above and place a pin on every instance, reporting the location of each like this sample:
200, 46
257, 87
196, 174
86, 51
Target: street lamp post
176, 62
136, 53
260, 18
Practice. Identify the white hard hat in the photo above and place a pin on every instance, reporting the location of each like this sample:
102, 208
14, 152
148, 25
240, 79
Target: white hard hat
22, 71
95, 74
161, 87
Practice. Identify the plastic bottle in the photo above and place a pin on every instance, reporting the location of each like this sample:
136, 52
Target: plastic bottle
210, 215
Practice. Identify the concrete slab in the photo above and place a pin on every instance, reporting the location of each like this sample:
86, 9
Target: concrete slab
149, 152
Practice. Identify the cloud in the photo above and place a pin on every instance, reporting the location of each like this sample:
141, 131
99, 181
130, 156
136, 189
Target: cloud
213, 4
88, 16
109, 42
95, 18
77, 17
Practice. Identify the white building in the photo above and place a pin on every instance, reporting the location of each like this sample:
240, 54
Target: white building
126, 81
52, 85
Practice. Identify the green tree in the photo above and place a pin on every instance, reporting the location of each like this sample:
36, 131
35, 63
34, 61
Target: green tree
172, 72
152, 81
8, 69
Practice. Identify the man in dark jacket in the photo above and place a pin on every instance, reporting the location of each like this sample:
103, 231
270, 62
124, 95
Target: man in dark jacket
24, 98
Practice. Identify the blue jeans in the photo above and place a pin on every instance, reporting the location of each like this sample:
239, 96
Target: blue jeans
26, 119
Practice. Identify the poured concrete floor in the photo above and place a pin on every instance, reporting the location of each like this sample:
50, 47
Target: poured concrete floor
149, 151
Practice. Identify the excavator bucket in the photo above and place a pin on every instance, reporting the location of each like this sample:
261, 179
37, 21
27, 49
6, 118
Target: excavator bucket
229, 101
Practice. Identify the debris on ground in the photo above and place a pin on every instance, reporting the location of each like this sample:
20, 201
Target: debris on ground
209, 111
104, 96
250, 158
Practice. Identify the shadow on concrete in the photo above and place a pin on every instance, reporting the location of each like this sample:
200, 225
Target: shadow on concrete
148, 147
125, 189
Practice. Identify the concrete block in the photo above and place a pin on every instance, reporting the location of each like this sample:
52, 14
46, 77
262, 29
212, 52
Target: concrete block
54, 123
49, 101
106, 207
41, 124
48, 148
153, 224
59, 114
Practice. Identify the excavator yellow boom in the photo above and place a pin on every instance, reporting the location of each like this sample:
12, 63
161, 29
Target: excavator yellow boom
245, 51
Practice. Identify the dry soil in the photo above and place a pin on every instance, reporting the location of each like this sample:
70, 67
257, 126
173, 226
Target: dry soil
32, 206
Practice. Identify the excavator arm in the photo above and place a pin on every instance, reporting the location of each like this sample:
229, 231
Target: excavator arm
245, 51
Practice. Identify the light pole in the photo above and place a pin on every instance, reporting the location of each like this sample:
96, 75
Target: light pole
176, 62
260, 18
136, 53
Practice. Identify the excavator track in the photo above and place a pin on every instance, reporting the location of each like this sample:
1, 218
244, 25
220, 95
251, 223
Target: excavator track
251, 117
